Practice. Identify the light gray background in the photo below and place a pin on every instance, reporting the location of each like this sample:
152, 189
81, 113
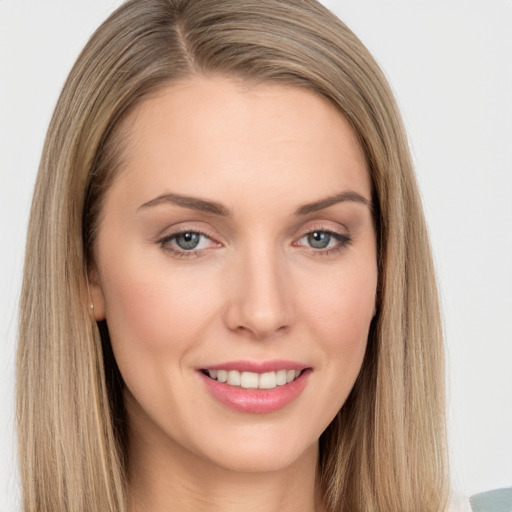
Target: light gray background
450, 64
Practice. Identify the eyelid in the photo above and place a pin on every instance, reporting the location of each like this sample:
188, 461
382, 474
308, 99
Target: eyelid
188, 226
326, 227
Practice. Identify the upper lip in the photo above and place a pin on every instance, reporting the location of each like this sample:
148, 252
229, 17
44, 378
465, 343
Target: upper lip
258, 366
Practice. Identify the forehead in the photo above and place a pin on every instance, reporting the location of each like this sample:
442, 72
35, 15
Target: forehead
216, 134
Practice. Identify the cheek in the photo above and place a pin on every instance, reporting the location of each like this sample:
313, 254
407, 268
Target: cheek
340, 317
345, 307
157, 318
154, 311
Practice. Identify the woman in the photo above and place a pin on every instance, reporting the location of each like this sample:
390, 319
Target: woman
229, 297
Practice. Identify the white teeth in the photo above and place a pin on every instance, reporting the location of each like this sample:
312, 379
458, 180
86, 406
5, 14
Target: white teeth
252, 380
234, 378
267, 380
249, 380
281, 377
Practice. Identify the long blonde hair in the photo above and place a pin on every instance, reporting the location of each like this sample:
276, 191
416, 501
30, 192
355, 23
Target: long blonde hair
386, 449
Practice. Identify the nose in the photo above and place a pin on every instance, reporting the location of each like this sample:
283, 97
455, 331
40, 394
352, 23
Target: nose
260, 295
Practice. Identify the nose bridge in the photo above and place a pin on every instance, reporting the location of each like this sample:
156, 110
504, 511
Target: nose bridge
260, 301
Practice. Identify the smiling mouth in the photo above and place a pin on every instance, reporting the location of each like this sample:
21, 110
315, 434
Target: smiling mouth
253, 380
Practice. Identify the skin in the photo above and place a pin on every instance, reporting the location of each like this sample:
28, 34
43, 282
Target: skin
254, 288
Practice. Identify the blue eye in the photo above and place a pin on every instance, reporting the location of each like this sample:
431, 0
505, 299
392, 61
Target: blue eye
319, 239
324, 241
187, 241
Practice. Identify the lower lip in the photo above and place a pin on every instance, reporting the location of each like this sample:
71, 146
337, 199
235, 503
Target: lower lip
256, 401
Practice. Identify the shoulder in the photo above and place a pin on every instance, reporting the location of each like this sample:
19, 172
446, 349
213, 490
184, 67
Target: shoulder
499, 500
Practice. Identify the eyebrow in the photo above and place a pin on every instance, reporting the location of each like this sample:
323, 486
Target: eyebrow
316, 206
192, 203
215, 208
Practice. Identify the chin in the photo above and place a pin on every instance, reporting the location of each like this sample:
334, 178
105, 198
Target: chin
262, 457
258, 448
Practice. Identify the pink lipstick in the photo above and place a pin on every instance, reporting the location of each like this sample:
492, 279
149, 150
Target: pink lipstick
254, 386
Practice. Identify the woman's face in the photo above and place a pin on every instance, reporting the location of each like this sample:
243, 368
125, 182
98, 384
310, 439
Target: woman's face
236, 243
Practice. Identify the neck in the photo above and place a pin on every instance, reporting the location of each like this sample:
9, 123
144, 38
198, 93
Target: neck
175, 479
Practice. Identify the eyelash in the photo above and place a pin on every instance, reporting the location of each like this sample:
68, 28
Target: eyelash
342, 242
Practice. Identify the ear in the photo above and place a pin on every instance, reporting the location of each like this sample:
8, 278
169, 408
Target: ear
97, 297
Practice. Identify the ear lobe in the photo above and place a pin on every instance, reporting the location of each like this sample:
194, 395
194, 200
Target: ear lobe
96, 296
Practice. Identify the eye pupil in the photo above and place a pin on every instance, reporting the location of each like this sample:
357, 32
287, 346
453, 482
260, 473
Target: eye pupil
319, 239
187, 241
